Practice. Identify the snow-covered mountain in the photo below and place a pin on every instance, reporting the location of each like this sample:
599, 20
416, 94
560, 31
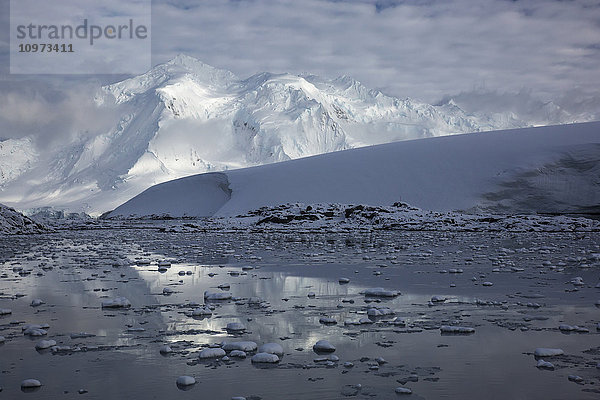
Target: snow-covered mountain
185, 117
15, 223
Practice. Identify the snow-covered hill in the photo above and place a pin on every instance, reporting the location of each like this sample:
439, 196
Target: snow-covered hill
15, 223
185, 117
547, 169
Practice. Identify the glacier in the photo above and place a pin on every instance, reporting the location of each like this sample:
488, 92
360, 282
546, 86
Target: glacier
551, 169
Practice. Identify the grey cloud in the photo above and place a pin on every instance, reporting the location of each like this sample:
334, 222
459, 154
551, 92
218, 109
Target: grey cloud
52, 115
420, 49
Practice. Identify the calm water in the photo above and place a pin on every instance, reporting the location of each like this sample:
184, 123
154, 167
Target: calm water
73, 272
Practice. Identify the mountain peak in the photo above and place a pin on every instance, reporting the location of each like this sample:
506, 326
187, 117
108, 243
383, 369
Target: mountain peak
160, 75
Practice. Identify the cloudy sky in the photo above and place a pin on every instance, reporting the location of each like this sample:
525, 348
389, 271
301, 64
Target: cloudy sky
425, 49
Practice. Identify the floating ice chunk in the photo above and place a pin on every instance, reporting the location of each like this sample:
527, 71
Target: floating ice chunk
165, 349
167, 291
323, 346
34, 330
438, 299
545, 365
61, 349
201, 312
267, 358
403, 390
45, 344
375, 311
311, 294
215, 296
456, 329
399, 321
245, 346
566, 328
185, 380
380, 292
327, 320
36, 302
365, 321
577, 281
5, 311
238, 398
343, 280
81, 335
117, 302
487, 284
348, 364
271, 348
2, 339
211, 352
164, 263
547, 352
575, 378
235, 327
31, 383
238, 354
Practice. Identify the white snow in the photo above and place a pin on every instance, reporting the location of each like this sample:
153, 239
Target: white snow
185, 117
494, 171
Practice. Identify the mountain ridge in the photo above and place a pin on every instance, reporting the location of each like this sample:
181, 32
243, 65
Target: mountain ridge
186, 117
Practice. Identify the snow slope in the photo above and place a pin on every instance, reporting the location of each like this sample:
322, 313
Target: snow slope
546, 169
185, 117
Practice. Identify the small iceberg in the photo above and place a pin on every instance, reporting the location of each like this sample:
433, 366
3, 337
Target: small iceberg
380, 292
245, 346
461, 330
323, 346
45, 344
216, 296
235, 327
271, 348
547, 352
117, 302
265, 358
211, 352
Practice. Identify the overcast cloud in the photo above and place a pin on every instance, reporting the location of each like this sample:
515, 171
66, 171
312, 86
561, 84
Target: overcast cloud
425, 49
